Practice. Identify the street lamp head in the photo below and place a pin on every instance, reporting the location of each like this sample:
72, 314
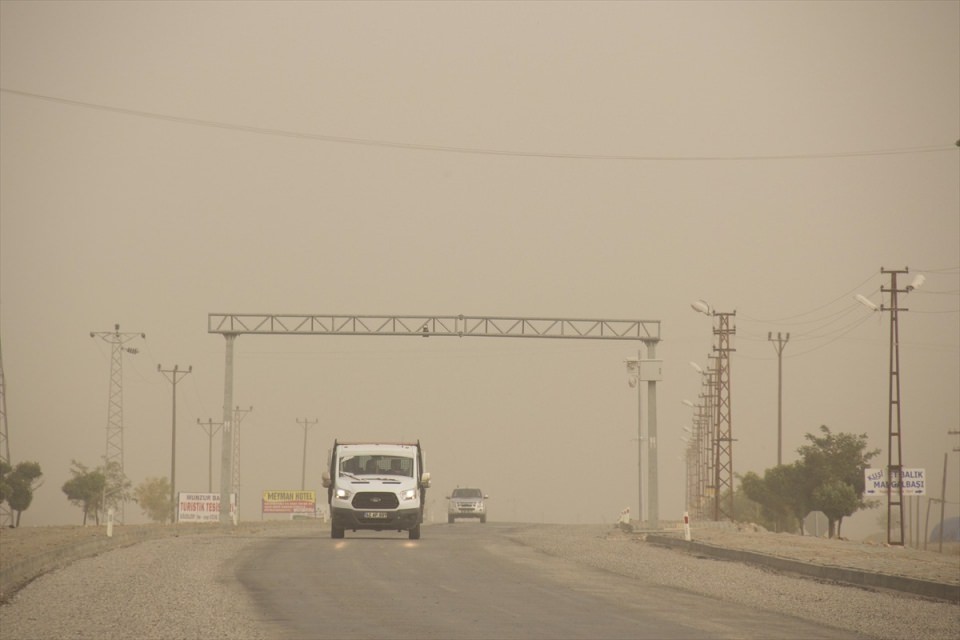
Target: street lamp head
688, 403
696, 367
917, 282
866, 302
700, 306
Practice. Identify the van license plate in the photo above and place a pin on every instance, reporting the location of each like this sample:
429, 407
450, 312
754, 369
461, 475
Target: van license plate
375, 514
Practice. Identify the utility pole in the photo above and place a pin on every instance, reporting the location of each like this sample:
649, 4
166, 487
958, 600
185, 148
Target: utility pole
238, 416
210, 428
6, 515
306, 425
174, 376
723, 465
778, 345
894, 432
114, 453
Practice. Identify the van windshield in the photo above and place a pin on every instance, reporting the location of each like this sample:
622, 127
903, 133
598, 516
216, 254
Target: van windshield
376, 465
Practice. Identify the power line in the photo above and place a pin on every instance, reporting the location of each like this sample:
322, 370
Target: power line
413, 146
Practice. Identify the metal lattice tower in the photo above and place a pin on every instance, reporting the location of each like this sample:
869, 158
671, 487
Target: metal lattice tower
6, 516
709, 436
723, 441
114, 449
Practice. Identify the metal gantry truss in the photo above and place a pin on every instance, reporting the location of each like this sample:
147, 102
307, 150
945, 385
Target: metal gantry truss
231, 325
427, 325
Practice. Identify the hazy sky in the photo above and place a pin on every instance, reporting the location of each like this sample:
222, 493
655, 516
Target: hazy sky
162, 161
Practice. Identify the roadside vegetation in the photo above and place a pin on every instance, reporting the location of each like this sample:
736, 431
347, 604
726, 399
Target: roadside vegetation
828, 477
17, 486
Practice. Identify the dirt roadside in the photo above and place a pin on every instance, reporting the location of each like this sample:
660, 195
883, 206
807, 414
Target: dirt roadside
28, 552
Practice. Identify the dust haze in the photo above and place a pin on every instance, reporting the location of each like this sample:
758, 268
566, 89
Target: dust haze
163, 161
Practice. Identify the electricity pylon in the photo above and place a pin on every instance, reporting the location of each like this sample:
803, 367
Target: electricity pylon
114, 451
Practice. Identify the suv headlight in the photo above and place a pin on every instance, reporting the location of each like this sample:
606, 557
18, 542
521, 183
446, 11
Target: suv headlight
343, 494
409, 494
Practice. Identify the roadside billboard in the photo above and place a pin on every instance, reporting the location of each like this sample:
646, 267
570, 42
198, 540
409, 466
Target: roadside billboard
202, 507
914, 482
290, 501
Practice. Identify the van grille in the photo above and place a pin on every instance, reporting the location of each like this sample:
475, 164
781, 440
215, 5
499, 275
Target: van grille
375, 500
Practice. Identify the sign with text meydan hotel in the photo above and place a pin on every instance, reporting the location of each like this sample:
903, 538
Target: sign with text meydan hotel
290, 501
202, 507
914, 482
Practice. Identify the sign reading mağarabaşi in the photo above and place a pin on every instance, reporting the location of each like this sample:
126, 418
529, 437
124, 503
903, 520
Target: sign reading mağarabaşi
290, 501
913, 481
202, 507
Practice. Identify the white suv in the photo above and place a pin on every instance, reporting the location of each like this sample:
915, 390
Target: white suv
466, 503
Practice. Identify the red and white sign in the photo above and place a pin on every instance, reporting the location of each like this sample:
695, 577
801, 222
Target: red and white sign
202, 507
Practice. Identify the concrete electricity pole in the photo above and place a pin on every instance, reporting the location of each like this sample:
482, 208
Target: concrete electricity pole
306, 425
778, 344
174, 376
6, 515
210, 428
114, 453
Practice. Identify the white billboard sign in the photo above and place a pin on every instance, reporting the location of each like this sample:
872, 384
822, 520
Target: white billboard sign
914, 482
202, 507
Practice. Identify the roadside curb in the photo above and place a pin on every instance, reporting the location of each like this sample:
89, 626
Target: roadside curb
926, 588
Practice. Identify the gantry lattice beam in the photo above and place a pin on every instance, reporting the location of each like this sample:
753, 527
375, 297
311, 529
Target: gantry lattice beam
427, 325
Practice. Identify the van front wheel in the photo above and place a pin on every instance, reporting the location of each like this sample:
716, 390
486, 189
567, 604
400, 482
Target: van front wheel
415, 533
336, 532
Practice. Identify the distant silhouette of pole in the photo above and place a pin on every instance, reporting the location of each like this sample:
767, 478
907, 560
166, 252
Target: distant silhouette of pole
778, 346
174, 376
208, 428
303, 474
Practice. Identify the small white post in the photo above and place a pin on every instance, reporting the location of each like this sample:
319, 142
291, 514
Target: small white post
110, 523
686, 526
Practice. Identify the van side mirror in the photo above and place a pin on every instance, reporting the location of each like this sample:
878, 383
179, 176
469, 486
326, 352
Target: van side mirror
325, 479
425, 479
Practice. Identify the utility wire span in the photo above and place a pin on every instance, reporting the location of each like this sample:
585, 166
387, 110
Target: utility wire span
413, 146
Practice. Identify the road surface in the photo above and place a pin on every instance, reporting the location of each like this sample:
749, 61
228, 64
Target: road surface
472, 581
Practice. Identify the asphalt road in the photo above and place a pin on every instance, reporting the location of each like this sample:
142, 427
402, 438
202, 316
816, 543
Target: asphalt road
467, 581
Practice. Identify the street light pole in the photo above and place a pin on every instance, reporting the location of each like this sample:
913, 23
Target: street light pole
633, 372
174, 376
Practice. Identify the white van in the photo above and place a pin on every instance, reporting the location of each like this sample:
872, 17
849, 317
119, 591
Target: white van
376, 486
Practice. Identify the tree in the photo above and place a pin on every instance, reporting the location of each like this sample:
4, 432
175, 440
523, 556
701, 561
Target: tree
86, 489
836, 499
17, 486
782, 495
5, 488
831, 461
153, 496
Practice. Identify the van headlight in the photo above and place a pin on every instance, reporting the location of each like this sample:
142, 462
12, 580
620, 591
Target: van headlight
343, 494
409, 494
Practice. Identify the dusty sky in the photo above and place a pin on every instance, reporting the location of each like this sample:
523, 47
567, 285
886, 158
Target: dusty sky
162, 161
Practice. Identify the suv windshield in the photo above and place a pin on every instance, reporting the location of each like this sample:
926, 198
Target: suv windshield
467, 493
